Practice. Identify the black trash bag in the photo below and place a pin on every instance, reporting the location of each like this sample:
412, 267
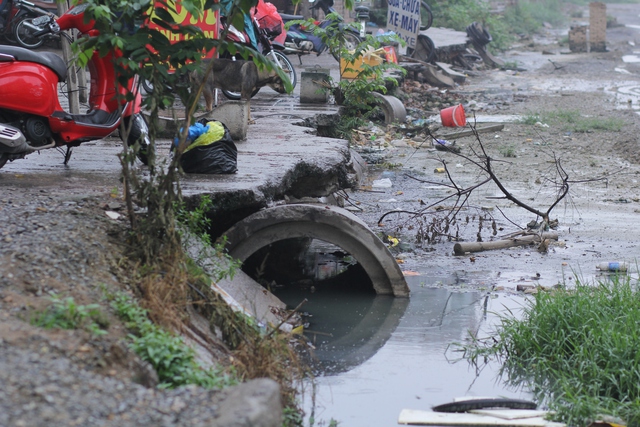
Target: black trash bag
217, 157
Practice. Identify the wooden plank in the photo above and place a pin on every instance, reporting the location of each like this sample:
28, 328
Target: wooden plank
418, 417
456, 76
431, 73
463, 133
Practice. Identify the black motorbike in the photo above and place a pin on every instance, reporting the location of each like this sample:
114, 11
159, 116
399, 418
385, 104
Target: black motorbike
18, 27
301, 41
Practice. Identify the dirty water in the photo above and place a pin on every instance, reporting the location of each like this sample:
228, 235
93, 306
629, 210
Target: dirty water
376, 355
379, 354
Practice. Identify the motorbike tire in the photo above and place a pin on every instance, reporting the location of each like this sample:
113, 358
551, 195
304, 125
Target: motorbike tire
351, 41
147, 86
23, 34
286, 66
139, 133
7, 34
4, 157
425, 49
425, 15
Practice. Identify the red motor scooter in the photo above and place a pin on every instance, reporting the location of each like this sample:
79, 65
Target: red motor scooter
31, 118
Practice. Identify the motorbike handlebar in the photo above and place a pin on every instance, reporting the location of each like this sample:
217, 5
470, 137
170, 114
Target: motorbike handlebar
26, 3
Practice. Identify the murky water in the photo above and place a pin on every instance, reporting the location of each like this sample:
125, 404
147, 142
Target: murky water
379, 354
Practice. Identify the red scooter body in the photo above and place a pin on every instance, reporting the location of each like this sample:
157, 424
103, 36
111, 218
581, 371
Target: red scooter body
29, 88
29, 100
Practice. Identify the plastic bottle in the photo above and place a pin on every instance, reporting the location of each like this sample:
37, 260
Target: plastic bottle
612, 266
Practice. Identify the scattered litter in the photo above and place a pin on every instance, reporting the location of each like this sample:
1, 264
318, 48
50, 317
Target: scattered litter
439, 170
382, 183
419, 122
622, 70
612, 266
444, 145
630, 59
112, 214
393, 241
410, 273
542, 125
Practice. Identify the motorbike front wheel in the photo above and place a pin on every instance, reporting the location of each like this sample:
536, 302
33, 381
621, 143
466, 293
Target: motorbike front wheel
283, 63
350, 42
24, 36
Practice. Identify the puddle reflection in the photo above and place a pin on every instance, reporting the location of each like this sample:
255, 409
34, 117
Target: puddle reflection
413, 366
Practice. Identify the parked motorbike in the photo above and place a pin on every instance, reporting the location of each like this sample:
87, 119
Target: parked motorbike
301, 41
267, 45
17, 20
31, 118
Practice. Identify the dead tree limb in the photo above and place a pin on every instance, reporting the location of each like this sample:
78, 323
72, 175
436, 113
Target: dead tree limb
462, 248
480, 159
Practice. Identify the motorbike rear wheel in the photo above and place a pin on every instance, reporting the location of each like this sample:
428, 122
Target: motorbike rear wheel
24, 36
285, 65
4, 157
350, 42
139, 133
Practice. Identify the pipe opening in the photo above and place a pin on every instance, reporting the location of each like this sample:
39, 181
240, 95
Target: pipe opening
307, 265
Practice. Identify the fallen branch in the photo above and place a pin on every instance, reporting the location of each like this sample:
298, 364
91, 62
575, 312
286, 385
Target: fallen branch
462, 248
469, 132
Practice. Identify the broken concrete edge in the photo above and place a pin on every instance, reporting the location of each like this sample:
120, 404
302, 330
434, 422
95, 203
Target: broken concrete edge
236, 288
305, 180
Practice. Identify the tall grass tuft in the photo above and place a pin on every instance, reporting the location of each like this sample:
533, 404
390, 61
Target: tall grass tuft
577, 349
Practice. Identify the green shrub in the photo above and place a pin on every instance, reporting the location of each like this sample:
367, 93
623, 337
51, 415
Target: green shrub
172, 359
576, 349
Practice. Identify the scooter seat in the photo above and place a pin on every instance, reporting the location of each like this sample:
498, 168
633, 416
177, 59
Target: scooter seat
286, 17
48, 59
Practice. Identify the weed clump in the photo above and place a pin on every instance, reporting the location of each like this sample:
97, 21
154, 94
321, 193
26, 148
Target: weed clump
174, 361
67, 314
576, 349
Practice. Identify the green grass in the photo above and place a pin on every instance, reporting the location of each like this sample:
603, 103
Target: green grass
574, 121
173, 360
530, 119
507, 151
576, 349
67, 314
